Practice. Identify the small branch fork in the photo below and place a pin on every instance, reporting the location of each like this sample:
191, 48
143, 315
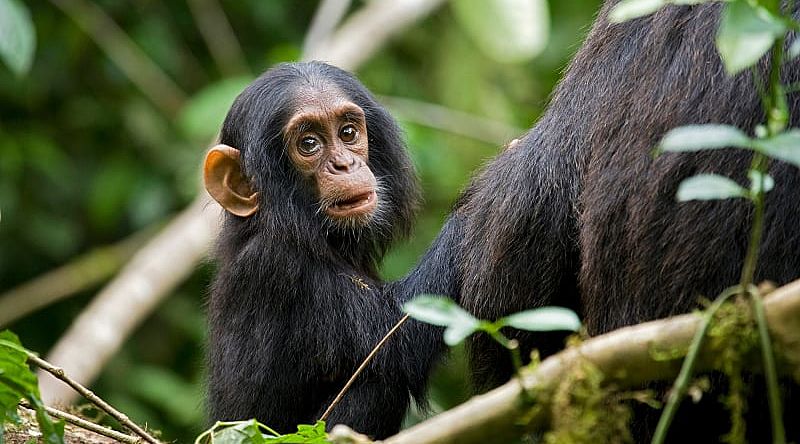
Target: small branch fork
88, 425
94, 399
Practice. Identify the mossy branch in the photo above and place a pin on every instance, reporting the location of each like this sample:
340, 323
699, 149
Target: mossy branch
625, 358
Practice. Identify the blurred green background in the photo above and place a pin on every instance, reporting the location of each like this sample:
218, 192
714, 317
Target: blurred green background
87, 159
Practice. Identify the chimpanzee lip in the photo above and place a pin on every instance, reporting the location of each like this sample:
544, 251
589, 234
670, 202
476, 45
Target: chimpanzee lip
355, 205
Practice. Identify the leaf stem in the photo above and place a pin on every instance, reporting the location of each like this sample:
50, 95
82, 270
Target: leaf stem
770, 371
681, 384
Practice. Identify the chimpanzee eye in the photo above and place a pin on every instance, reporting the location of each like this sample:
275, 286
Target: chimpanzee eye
309, 146
348, 134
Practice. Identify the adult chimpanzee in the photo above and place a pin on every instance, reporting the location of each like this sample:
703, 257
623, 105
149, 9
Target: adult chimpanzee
316, 183
578, 214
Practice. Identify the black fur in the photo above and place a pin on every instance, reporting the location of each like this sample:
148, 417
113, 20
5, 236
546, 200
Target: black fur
296, 304
580, 214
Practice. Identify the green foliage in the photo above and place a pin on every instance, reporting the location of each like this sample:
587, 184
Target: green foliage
631, 9
444, 312
17, 36
703, 137
18, 382
525, 25
709, 187
253, 432
202, 116
585, 410
784, 146
746, 32
542, 319
733, 331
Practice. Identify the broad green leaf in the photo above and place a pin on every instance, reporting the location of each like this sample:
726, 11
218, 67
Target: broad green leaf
784, 146
17, 381
16, 378
458, 331
631, 9
252, 432
506, 30
794, 49
544, 319
703, 137
246, 432
17, 36
437, 310
756, 178
203, 114
746, 32
709, 187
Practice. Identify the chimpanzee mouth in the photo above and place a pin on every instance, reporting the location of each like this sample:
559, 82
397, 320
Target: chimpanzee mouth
354, 206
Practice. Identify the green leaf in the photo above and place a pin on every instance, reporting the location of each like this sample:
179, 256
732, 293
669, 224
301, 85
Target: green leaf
746, 32
794, 49
631, 9
544, 319
17, 381
756, 179
202, 116
506, 30
437, 310
245, 432
459, 331
17, 36
709, 187
784, 146
250, 432
16, 378
703, 137
441, 311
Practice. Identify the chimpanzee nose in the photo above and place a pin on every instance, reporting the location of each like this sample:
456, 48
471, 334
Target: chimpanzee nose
343, 163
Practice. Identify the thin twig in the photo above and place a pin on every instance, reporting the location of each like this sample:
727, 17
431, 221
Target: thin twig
219, 36
89, 395
770, 370
131, 60
88, 425
362, 367
681, 384
328, 15
450, 120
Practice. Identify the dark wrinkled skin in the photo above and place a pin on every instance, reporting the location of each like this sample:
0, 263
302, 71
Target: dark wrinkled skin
577, 214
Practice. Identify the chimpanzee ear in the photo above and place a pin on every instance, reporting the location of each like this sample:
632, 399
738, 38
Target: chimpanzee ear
222, 174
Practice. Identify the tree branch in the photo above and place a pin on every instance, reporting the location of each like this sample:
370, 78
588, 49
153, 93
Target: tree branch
128, 299
88, 425
368, 29
219, 36
80, 274
89, 395
625, 358
453, 121
326, 19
